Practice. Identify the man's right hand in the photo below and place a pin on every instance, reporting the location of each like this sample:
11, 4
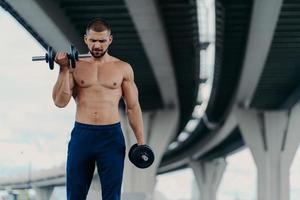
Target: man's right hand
61, 58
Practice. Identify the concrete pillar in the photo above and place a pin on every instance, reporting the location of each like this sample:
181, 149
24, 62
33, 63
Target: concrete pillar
159, 126
12, 194
208, 175
43, 193
137, 182
95, 188
195, 190
273, 139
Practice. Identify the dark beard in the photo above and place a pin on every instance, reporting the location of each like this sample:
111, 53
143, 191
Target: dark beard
98, 55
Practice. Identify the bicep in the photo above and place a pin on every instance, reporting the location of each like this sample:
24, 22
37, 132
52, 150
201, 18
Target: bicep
71, 81
73, 88
129, 88
130, 93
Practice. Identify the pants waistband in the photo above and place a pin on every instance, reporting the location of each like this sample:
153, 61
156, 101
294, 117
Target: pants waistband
97, 127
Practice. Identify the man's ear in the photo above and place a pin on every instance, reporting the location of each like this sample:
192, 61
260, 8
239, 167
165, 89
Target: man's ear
110, 39
85, 39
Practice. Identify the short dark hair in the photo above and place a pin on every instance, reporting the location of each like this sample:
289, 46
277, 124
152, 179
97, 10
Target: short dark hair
98, 25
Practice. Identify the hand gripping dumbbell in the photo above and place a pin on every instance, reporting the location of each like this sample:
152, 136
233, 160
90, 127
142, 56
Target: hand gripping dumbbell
49, 57
141, 156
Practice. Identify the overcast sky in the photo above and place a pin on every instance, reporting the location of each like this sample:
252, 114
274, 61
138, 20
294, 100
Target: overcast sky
31, 127
33, 131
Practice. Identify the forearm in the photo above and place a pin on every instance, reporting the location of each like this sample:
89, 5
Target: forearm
61, 91
136, 122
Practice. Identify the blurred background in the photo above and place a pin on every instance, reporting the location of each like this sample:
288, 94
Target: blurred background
218, 84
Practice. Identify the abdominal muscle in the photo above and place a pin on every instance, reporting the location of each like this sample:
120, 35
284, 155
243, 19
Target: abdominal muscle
98, 106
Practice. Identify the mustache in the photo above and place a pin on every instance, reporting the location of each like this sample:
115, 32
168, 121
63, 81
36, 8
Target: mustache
98, 55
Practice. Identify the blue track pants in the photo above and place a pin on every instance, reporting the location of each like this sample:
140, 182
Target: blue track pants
100, 144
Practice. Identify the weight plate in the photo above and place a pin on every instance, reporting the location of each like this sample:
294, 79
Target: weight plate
73, 56
50, 58
138, 152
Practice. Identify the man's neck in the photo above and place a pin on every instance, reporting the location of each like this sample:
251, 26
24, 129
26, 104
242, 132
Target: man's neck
101, 60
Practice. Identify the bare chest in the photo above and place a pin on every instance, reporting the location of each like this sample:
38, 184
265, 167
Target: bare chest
102, 76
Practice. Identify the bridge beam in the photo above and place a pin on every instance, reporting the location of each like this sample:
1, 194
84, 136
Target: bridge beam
48, 20
159, 126
264, 19
146, 18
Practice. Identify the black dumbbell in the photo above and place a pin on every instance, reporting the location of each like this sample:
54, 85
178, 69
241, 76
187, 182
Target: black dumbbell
49, 57
141, 156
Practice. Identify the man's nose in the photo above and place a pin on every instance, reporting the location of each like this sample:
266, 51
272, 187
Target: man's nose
97, 45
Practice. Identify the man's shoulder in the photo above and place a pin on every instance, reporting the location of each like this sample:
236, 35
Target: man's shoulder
122, 64
125, 67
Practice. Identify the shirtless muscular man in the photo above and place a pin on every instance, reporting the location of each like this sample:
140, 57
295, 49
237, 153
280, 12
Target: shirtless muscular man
97, 84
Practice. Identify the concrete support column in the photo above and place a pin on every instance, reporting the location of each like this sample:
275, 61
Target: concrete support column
273, 139
137, 182
95, 188
208, 175
13, 195
159, 126
43, 193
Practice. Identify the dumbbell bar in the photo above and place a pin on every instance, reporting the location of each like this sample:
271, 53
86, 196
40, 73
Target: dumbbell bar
49, 57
